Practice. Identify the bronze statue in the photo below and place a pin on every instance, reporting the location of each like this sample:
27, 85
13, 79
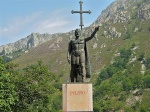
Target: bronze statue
78, 57
78, 53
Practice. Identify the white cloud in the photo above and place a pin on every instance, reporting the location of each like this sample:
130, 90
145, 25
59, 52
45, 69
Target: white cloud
51, 25
56, 22
40, 22
15, 27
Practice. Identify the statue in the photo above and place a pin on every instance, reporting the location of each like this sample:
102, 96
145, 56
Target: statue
78, 53
78, 57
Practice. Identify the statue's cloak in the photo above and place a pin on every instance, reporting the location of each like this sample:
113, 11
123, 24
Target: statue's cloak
87, 62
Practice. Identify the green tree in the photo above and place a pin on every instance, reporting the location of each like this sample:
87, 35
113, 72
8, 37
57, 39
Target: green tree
125, 54
111, 70
141, 57
146, 81
128, 34
147, 63
137, 81
36, 90
8, 95
103, 74
6, 59
145, 104
127, 84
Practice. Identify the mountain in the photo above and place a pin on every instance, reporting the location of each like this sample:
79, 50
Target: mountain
32, 40
123, 23
120, 11
119, 56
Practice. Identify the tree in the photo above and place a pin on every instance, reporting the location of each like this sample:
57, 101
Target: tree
103, 74
36, 90
141, 57
8, 95
127, 84
146, 81
128, 34
125, 54
111, 70
147, 63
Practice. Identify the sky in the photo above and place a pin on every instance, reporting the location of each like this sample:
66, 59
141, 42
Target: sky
20, 18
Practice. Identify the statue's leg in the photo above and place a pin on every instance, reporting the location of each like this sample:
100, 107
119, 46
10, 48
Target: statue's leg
83, 71
82, 66
72, 73
79, 74
73, 68
76, 72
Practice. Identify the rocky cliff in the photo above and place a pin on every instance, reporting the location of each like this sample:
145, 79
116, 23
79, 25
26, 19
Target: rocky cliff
122, 11
26, 43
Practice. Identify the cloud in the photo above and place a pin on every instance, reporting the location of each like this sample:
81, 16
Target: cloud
54, 23
16, 25
40, 22
13, 29
52, 26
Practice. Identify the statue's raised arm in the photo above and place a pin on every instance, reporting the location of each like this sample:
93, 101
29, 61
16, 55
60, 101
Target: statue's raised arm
92, 35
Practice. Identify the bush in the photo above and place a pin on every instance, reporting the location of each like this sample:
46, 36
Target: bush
103, 74
8, 95
146, 81
141, 57
147, 63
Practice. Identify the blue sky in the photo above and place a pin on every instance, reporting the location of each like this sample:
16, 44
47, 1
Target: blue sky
20, 18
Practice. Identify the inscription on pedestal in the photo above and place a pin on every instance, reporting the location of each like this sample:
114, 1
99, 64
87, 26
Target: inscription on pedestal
77, 97
77, 92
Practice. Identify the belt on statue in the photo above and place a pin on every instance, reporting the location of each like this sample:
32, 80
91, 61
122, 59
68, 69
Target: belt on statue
78, 53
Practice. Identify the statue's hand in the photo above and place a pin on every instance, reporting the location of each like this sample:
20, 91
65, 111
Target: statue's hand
96, 28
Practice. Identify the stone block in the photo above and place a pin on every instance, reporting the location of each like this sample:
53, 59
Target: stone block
77, 97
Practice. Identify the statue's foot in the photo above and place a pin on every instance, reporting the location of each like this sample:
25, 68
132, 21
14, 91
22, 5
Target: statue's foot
87, 79
79, 78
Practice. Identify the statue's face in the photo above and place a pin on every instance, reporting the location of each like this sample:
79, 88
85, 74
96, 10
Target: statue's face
77, 33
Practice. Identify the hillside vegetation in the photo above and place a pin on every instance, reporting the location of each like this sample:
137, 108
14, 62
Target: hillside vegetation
120, 64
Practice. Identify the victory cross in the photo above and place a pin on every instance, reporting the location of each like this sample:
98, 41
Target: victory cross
78, 54
81, 12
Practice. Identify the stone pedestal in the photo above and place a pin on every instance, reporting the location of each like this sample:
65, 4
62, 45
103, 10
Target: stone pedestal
77, 97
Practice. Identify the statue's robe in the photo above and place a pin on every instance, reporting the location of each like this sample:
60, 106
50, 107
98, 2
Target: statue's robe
87, 62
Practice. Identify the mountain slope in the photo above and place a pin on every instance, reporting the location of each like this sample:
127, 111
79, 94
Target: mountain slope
105, 46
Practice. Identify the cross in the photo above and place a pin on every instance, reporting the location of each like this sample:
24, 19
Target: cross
81, 12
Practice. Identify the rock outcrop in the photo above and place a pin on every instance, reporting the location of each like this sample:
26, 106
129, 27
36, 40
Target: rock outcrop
144, 11
111, 33
27, 43
120, 11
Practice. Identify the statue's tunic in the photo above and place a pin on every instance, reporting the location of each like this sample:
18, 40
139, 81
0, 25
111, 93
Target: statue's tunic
79, 55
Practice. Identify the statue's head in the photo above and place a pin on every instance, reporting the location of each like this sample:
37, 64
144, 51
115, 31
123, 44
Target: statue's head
77, 33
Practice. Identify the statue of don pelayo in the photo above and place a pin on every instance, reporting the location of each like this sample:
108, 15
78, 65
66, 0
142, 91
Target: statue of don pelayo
78, 57
78, 54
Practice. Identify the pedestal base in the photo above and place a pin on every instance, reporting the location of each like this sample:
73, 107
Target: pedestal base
77, 97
